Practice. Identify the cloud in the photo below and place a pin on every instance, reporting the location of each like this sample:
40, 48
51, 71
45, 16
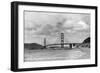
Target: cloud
81, 26
39, 25
67, 27
74, 25
49, 23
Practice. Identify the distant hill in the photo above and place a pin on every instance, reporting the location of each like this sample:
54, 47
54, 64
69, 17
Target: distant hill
87, 40
32, 46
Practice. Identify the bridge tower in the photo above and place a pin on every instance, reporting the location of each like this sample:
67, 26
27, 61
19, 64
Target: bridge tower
62, 40
44, 42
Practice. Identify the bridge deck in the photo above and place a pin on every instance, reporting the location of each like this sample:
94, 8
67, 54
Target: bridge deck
63, 44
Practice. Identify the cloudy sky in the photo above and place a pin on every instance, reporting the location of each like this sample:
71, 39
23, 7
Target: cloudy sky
38, 25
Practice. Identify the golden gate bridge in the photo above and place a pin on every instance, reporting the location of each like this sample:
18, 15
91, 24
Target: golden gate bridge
62, 44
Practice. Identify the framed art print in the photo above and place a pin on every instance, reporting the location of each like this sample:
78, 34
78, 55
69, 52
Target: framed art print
52, 36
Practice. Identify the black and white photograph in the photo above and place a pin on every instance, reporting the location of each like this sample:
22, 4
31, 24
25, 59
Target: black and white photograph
52, 36
56, 36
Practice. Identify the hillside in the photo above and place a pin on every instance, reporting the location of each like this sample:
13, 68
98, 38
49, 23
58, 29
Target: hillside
87, 40
32, 46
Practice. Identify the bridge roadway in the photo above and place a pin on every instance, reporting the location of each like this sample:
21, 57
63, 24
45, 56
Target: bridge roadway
69, 44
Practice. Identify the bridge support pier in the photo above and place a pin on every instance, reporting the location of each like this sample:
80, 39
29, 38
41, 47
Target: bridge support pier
44, 43
70, 45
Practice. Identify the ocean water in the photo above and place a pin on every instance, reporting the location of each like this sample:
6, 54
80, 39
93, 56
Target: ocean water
51, 55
